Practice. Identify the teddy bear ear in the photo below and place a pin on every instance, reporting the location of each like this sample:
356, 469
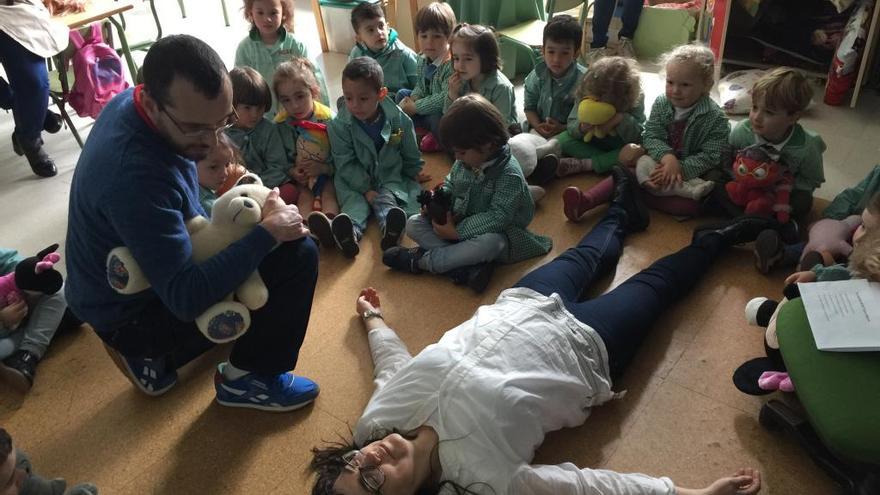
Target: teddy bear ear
249, 179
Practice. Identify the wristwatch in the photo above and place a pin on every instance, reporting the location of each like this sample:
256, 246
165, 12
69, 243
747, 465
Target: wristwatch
372, 313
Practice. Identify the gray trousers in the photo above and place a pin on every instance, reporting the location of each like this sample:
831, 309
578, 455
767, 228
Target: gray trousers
38, 328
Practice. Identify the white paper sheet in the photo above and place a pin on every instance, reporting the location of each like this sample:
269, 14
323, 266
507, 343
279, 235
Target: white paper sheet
844, 314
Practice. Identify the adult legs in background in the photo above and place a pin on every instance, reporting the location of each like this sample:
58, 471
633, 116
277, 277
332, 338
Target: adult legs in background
28, 90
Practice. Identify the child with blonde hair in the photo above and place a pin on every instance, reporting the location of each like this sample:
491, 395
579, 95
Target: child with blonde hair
687, 132
271, 42
779, 99
613, 80
302, 122
476, 61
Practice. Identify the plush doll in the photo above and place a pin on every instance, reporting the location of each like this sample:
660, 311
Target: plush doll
437, 203
36, 273
595, 113
831, 239
234, 215
763, 375
312, 144
537, 155
760, 184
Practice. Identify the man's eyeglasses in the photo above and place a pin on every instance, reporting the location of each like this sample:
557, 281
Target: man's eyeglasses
371, 477
197, 132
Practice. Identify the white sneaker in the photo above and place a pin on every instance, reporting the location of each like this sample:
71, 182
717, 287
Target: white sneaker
625, 48
595, 54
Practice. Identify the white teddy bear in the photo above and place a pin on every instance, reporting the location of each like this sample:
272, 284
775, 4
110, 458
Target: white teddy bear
234, 214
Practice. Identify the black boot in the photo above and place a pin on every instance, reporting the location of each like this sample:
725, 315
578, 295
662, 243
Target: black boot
39, 161
52, 122
476, 277
737, 231
628, 197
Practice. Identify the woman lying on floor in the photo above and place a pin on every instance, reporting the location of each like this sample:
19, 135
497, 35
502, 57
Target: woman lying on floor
466, 414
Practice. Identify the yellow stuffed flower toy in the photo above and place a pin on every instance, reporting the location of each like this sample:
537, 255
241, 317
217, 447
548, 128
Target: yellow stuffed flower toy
595, 113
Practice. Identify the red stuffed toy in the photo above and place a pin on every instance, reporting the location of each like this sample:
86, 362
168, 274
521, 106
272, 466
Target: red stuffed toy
760, 184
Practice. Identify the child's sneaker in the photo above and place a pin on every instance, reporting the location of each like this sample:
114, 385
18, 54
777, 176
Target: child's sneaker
150, 376
319, 226
403, 259
19, 369
278, 393
429, 144
395, 224
343, 234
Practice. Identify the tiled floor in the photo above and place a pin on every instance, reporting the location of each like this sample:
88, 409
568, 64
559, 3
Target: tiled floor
681, 416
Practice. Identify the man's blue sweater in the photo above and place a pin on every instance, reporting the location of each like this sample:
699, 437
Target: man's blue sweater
131, 188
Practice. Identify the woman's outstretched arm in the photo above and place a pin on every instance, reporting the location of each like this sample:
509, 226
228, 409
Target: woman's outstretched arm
388, 351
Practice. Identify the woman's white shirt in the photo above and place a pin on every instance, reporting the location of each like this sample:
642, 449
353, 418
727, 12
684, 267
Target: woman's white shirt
492, 388
29, 23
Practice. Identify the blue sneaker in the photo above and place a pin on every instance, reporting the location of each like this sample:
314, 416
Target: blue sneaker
278, 393
150, 376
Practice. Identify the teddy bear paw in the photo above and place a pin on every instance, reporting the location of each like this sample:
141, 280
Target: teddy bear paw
224, 322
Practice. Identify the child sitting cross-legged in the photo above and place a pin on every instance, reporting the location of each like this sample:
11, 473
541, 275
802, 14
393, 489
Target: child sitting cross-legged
491, 207
377, 160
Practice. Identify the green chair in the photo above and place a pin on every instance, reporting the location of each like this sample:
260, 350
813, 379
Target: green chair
840, 395
530, 34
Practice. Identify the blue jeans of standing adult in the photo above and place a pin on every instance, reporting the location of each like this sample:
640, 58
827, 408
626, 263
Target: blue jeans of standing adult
443, 256
622, 317
603, 10
382, 203
27, 92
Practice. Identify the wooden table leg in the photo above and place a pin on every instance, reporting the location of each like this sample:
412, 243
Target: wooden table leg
316, 9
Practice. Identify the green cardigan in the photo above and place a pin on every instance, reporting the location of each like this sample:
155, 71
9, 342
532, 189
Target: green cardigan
832, 273
264, 153
852, 200
429, 99
399, 63
359, 168
252, 52
496, 199
705, 137
802, 154
496, 88
551, 97
629, 130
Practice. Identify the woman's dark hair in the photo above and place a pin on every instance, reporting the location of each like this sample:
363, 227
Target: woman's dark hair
471, 122
484, 43
187, 57
249, 88
365, 69
327, 464
5, 445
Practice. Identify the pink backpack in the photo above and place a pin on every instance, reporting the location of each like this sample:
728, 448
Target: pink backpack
98, 75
